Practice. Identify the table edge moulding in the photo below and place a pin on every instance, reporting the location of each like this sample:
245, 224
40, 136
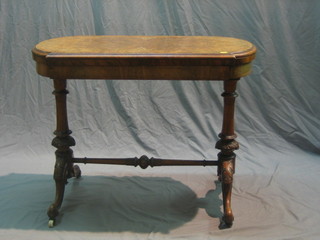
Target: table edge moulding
206, 58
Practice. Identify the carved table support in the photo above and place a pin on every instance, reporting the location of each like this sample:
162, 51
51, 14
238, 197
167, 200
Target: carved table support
227, 144
63, 141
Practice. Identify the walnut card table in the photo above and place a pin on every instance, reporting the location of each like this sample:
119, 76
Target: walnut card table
144, 58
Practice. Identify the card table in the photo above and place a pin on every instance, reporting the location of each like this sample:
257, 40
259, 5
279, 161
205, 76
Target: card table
196, 58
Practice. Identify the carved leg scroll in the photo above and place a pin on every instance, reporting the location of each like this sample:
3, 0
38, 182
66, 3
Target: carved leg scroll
63, 141
227, 144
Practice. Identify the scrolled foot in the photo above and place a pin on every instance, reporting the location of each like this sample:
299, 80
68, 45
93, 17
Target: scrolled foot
76, 171
52, 212
227, 179
226, 221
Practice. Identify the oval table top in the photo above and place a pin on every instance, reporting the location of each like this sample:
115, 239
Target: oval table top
147, 45
90, 52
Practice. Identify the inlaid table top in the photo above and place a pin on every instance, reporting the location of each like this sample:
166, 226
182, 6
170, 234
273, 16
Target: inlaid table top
144, 57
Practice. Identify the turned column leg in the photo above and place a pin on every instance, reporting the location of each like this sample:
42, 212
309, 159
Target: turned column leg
63, 141
227, 144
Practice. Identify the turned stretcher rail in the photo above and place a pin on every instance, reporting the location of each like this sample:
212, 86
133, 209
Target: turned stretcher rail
144, 161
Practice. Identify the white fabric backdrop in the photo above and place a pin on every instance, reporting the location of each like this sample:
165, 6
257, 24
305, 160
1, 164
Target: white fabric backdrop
276, 188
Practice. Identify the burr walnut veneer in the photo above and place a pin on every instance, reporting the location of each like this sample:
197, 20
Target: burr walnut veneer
144, 58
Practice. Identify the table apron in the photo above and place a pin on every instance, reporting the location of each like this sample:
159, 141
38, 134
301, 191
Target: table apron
144, 72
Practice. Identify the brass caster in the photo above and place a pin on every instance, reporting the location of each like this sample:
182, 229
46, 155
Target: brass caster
51, 223
226, 222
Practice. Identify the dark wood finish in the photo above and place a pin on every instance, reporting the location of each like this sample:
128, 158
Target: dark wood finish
146, 58
63, 141
227, 144
145, 162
